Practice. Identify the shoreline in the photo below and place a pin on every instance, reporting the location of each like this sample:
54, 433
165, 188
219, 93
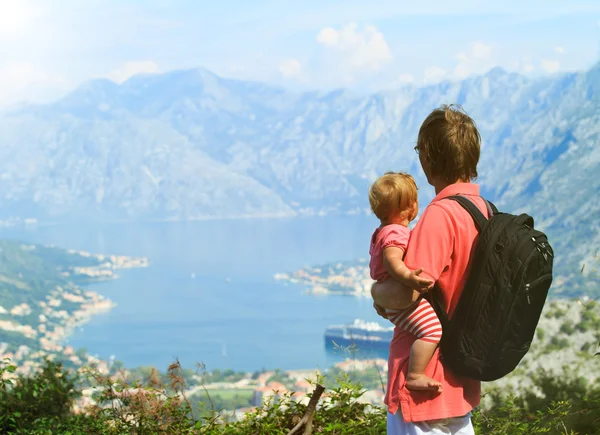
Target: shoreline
31, 223
97, 303
65, 308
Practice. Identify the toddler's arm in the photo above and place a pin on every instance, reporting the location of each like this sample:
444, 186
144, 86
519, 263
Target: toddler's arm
394, 264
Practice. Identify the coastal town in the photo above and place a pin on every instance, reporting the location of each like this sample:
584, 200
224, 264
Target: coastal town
349, 278
107, 265
304, 383
44, 325
295, 385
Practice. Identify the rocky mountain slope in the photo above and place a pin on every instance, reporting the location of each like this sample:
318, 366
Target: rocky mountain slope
189, 144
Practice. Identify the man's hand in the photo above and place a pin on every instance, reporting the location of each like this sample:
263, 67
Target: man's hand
380, 310
416, 282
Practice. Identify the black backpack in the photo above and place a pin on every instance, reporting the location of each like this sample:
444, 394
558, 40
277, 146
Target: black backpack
500, 306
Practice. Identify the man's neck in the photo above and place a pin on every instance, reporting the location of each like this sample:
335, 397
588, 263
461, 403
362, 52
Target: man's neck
441, 185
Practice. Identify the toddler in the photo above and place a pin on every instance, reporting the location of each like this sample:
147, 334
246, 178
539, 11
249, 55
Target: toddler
393, 199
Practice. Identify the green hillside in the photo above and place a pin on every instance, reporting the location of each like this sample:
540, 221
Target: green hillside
41, 300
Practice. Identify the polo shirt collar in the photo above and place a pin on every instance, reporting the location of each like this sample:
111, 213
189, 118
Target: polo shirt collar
458, 189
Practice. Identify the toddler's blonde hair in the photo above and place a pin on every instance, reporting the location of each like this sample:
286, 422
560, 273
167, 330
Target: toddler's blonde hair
392, 193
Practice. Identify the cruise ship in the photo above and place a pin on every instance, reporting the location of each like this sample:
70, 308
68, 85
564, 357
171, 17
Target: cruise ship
363, 335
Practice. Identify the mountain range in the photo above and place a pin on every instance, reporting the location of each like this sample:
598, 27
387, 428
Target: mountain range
189, 144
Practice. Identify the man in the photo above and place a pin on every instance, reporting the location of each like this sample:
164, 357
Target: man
448, 146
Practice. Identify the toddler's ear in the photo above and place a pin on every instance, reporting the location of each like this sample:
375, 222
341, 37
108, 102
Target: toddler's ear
415, 211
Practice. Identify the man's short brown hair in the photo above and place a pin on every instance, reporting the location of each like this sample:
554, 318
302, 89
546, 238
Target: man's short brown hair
451, 143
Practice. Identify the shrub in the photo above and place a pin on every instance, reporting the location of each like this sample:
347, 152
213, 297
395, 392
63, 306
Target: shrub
568, 404
41, 405
48, 395
567, 328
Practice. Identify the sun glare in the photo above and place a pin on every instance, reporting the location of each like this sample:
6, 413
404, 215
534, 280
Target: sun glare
14, 18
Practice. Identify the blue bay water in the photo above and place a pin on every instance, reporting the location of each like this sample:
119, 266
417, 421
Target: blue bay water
233, 314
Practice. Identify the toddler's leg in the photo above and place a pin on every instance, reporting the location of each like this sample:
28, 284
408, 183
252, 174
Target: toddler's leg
395, 316
398, 317
424, 323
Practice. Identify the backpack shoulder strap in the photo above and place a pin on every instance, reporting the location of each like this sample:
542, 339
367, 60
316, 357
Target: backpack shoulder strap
478, 217
434, 298
473, 210
492, 210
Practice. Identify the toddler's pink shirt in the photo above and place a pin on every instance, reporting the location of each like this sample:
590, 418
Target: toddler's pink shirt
384, 237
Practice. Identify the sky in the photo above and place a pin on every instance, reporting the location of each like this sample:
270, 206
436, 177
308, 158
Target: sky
49, 47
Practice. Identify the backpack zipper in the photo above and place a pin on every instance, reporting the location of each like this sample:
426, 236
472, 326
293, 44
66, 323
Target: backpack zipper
516, 250
543, 246
521, 271
540, 247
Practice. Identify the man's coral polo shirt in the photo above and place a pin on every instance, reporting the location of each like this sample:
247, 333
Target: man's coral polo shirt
441, 245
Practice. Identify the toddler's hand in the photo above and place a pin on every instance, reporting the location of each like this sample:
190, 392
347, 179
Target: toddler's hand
418, 283
380, 310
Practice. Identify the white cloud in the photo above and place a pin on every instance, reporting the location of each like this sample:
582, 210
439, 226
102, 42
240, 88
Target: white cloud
364, 49
329, 37
550, 66
129, 69
481, 51
290, 68
476, 60
559, 50
434, 74
26, 82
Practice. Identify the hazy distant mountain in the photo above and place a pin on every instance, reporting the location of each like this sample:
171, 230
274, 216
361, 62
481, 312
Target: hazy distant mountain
190, 144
